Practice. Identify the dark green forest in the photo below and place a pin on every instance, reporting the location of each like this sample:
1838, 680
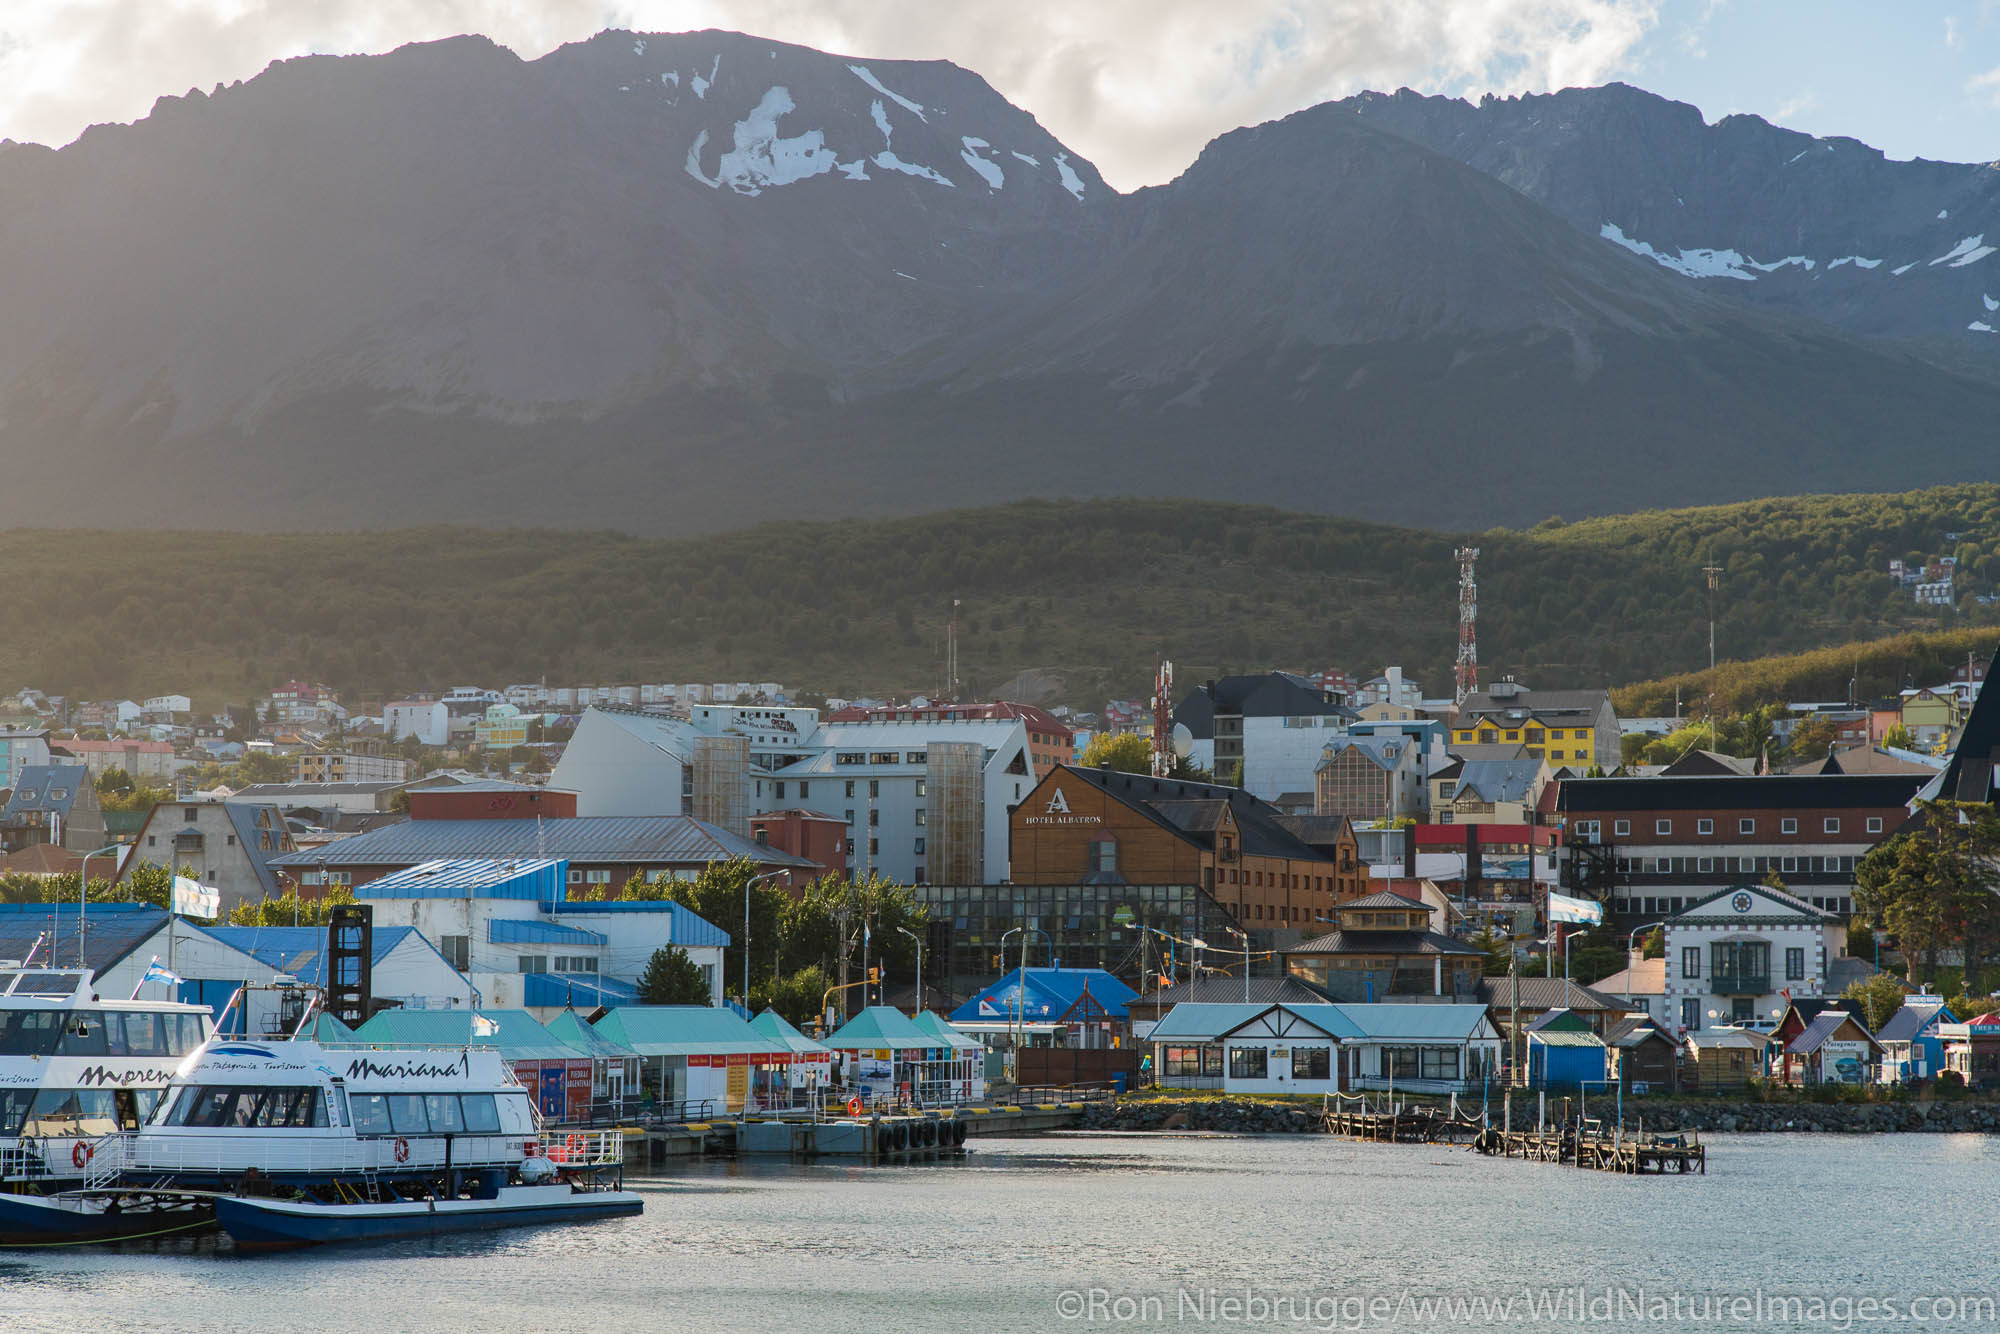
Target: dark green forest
1083, 593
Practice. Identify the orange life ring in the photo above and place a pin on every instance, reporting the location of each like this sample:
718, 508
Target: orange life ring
854, 1107
402, 1151
81, 1153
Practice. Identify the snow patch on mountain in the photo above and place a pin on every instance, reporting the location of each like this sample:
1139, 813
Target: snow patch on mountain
701, 85
890, 162
882, 122
639, 46
1856, 260
856, 170
694, 162
1989, 302
1027, 158
1980, 326
671, 78
1693, 263
763, 157
1071, 181
867, 76
1969, 251
1905, 269
989, 170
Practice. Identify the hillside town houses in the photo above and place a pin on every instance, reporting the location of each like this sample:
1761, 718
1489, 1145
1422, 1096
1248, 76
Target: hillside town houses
1345, 839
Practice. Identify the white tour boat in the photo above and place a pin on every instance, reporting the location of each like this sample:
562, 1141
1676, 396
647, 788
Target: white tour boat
77, 1072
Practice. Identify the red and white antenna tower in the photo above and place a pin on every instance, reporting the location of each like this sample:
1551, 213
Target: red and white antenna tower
1467, 674
1163, 720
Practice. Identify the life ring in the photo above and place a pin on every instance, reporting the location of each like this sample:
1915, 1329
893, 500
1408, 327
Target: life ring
854, 1107
575, 1145
402, 1151
81, 1153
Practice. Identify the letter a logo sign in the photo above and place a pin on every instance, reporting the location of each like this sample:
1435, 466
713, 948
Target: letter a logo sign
1058, 804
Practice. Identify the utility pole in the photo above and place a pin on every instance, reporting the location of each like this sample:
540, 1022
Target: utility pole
1714, 573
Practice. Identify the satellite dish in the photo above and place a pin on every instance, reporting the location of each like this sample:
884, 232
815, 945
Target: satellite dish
1183, 740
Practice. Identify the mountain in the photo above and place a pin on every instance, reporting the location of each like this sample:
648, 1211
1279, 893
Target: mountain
1058, 601
1824, 227
675, 284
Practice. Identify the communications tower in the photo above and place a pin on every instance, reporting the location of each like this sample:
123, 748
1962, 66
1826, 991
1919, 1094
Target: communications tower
1467, 674
1163, 720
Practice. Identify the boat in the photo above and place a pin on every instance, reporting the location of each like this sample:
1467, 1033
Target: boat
78, 1074
299, 1142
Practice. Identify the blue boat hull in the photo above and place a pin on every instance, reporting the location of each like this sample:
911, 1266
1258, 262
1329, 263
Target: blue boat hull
46, 1220
257, 1224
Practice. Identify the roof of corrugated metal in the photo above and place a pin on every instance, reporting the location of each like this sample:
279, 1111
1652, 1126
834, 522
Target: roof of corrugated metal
472, 878
689, 929
519, 1037
666, 839
530, 931
877, 1027
775, 1026
297, 950
683, 1030
567, 989
569, 1026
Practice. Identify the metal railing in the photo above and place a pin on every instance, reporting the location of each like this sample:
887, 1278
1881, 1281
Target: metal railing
1030, 1095
275, 1154
586, 1148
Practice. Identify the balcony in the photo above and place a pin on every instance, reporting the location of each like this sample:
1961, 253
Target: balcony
1740, 984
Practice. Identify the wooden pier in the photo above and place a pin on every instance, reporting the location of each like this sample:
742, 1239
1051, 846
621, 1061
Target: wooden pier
1575, 1142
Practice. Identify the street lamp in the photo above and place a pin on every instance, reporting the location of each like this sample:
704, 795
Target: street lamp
767, 875
920, 965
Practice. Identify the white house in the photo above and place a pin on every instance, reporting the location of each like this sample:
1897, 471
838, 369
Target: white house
1730, 955
428, 720
1274, 726
510, 927
1286, 1048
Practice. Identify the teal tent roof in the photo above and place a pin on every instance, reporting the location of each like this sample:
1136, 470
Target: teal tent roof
779, 1029
519, 1036
569, 1026
327, 1029
684, 1030
879, 1027
930, 1021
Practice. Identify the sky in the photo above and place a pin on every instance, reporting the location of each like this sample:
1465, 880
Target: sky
1136, 86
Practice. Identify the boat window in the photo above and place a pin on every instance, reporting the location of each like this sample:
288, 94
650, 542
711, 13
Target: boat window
184, 1033
83, 1033
72, 1113
48, 984
14, 1105
146, 1100
482, 1116
136, 1034
369, 1113
406, 1113
172, 1109
443, 1109
30, 1032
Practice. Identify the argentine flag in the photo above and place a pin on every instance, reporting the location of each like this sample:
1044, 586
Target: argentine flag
156, 972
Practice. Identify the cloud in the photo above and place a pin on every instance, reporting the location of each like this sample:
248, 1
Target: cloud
1988, 83
1138, 86
1796, 106
1950, 31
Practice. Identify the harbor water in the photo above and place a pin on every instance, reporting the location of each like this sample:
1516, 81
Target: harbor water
1135, 1231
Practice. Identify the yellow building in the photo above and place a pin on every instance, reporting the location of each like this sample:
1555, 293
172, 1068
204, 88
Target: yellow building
502, 727
1568, 728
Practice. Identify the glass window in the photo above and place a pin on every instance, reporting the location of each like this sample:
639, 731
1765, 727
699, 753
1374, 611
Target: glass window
1795, 965
1704, 826
1663, 826
1874, 824
1788, 825
83, 1034
406, 1113
370, 1112
1746, 826
1249, 1063
1832, 824
29, 1032
1311, 1063
1690, 961
72, 1113
481, 1114
1440, 1062
1621, 828
443, 1111
1690, 1013
14, 1104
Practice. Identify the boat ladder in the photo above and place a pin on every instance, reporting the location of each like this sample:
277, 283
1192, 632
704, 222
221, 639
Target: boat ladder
106, 1162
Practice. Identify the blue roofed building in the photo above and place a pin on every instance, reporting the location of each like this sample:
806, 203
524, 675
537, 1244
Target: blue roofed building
1330, 1048
1912, 1046
1086, 1005
512, 928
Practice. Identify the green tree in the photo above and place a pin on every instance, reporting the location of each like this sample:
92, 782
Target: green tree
1898, 738
1811, 740
796, 996
1130, 752
1880, 996
289, 909
671, 978
1499, 951
1655, 946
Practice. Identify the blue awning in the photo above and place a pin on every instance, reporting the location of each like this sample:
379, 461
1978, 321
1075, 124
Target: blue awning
520, 931
576, 989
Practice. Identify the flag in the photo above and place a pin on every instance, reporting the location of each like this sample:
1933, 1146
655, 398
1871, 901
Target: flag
482, 1027
194, 899
1562, 908
156, 972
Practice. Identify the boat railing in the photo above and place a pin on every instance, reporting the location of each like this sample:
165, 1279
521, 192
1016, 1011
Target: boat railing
106, 1158
586, 1148
228, 1154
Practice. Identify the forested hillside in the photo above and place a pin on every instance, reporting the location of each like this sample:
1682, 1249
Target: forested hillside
1084, 594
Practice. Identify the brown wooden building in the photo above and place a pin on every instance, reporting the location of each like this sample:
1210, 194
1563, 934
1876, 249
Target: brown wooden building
1101, 826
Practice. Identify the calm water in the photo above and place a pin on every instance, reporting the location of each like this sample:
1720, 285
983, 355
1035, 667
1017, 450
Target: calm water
996, 1242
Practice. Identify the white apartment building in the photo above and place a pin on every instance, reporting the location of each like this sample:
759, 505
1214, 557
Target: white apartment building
428, 720
1732, 957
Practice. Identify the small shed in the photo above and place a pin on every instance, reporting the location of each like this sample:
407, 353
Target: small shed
1644, 1057
968, 1059
1563, 1058
1835, 1048
1726, 1057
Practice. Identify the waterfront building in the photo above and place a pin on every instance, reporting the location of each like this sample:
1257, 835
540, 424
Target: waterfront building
1147, 1006
805, 1066
697, 1061
556, 1074
1835, 1048
1741, 954
1564, 1054
1327, 1048
1912, 1040
1644, 1057
1972, 1050
882, 1057
1725, 1057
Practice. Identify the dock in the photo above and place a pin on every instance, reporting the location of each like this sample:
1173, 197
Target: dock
1576, 1142
904, 1136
